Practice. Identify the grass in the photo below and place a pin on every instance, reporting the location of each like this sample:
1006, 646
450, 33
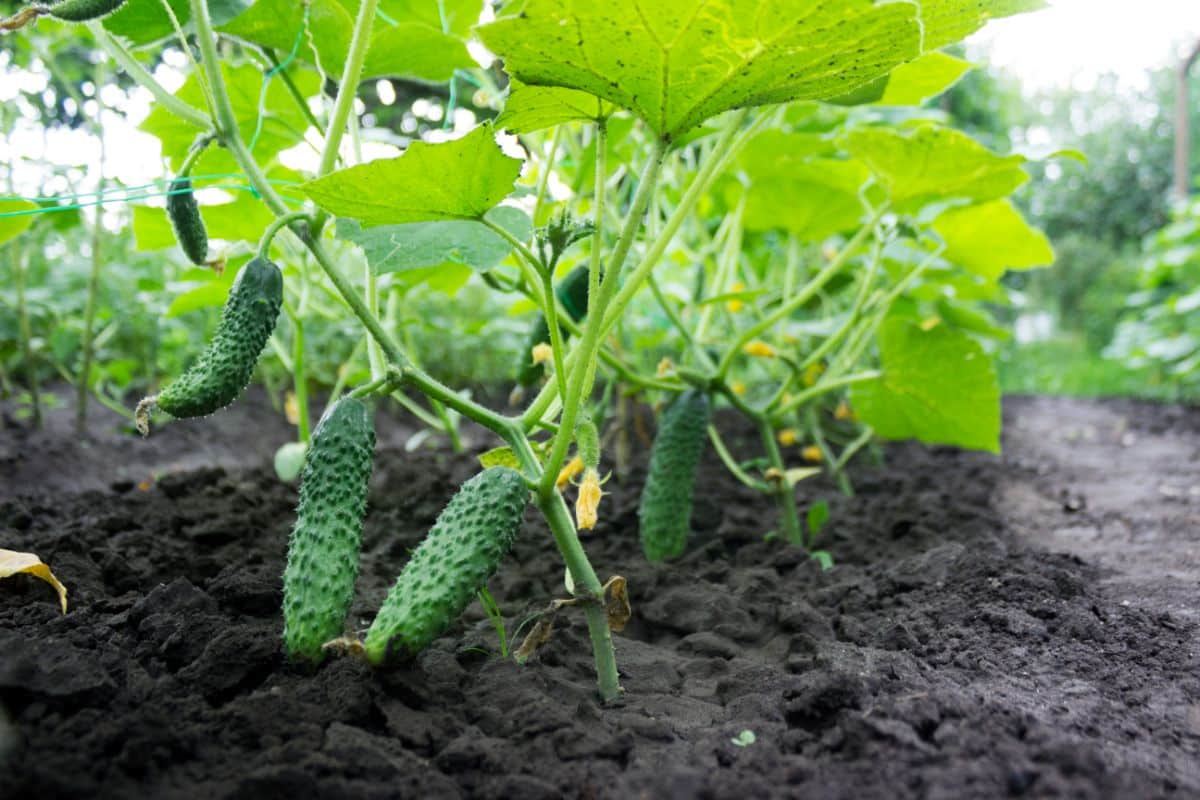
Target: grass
1066, 366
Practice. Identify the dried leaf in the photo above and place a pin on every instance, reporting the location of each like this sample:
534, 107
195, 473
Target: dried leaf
616, 603
14, 563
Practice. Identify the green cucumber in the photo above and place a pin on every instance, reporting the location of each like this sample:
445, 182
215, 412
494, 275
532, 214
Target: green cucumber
461, 551
666, 508
573, 294
223, 370
184, 214
83, 10
322, 563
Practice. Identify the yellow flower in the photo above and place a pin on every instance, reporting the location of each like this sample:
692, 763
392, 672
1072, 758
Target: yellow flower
587, 504
543, 353
787, 437
812, 373
665, 367
735, 305
291, 409
568, 472
759, 349
843, 411
738, 388
812, 454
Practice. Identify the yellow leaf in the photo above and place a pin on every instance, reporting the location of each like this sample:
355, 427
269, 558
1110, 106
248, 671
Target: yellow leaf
14, 563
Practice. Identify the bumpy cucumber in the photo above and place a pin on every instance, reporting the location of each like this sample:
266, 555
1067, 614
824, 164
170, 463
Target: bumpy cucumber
223, 370
461, 551
666, 508
83, 10
184, 213
322, 565
573, 294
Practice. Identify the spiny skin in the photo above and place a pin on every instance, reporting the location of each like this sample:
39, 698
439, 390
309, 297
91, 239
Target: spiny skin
223, 370
322, 565
84, 10
184, 212
666, 508
573, 293
459, 554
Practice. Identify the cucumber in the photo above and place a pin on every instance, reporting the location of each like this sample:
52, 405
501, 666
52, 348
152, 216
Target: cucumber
461, 551
666, 507
184, 214
322, 564
573, 294
223, 370
83, 10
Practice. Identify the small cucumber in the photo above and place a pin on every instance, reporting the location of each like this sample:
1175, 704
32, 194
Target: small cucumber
461, 551
666, 507
322, 564
184, 214
223, 370
83, 10
573, 294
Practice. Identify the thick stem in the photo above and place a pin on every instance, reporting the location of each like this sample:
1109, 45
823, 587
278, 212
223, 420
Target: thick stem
140, 75
348, 88
584, 370
587, 589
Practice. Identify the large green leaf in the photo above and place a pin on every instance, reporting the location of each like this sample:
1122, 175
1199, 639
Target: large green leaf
812, 199
676, 63
282, 126
949, 21
415, 50
15, 218
911, 84
399, 248
415, 47
938, 386
532, 108
142, 21
932, 163
993, 237
459, 179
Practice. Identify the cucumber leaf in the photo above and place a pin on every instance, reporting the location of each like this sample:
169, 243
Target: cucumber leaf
460, 179
938, 386
990, 238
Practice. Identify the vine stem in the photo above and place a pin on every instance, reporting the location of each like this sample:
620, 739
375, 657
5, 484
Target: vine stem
584, 369
825, 387
348, 88
785, 496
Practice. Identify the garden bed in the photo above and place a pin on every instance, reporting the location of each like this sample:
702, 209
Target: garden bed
1022, 626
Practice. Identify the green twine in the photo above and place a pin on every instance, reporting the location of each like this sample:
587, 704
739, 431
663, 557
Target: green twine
271, 73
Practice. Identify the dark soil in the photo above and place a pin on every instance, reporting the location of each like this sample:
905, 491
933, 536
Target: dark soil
1020, 626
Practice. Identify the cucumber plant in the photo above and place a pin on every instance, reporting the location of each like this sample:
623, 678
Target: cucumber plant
683, 94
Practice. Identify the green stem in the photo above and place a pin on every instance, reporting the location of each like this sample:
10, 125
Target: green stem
82, 390
583, 372
544, 178
35, 395
587, 588
264, 243
293, 90
299, 376
348, 88
795, 302
731, 464
785, 497
825, 387
188, 113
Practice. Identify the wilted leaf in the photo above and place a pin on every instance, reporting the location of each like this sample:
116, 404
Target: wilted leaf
14, 563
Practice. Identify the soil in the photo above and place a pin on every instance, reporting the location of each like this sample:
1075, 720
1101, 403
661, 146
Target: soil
1020, 626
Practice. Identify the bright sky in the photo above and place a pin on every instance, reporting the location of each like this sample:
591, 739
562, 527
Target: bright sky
1073, 41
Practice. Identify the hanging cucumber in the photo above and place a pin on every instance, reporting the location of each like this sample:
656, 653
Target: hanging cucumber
322, 564
666, 507
83, 10
573, 294
184, 214
223, 370
459, 554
